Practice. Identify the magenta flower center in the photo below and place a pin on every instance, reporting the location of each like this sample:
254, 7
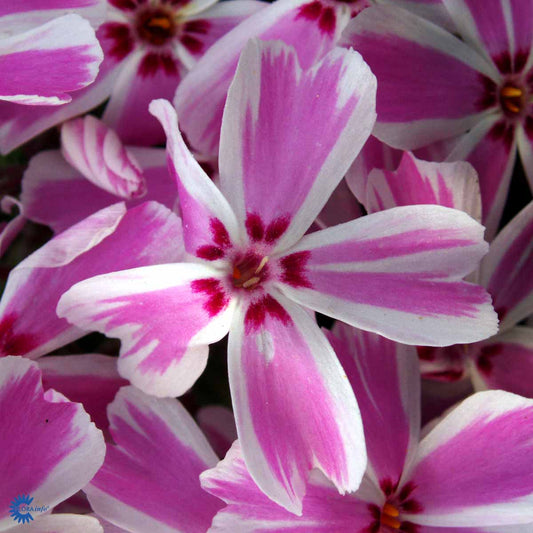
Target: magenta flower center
249, 271
155, 26
512, 99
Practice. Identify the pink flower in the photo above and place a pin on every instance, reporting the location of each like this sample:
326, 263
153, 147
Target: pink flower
471, 472
252, 270
474, 93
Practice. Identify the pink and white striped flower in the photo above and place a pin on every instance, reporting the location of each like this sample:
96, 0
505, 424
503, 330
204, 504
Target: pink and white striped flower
476, 92
397, 272
472, 473
50, 450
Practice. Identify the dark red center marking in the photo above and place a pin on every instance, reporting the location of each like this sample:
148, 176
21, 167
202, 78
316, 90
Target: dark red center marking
155, 26
258, 311
217, 300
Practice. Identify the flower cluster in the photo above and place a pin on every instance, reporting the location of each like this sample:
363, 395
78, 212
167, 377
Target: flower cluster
327, 196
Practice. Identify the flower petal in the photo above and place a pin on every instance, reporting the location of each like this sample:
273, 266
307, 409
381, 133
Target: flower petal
42, 65
397, 273
386, 381
422, 182
50, 448
97, 152
263, 145
491, 148
209, 223
19, 123
10, 230
165, 316
149, 480
109, 240
22, 16
506, 270
474, 467
293, 405
143, 77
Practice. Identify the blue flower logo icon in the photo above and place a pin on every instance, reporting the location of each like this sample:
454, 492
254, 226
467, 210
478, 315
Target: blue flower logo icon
19, 509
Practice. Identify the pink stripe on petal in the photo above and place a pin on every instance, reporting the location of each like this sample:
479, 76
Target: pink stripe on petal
97, 152
19, 123
202, 206
474, 467
165, 316
492, 153
149, 480
109, 240
42, 65
288, 426
386, 382
506, 271
486, 28
396, 273
263, 145
50, 449
143, 77
420, 182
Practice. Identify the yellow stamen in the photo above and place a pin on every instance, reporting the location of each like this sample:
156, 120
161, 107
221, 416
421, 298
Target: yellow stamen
387, 520
159, 22
390, 510
512, 107
251, 282
511, 92
262, 264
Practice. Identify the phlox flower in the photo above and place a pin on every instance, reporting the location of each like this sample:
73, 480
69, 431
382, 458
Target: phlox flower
50, 450
471, 473
252, 271
148, 46
472, 94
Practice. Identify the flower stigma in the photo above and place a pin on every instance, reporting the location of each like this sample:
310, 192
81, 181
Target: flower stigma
249, 271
